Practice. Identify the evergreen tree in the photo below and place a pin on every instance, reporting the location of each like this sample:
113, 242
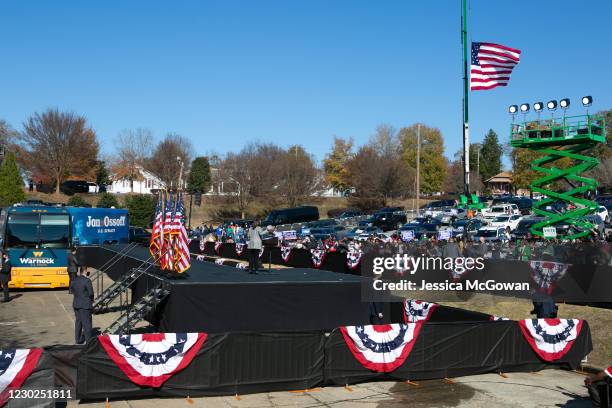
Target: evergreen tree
76, 201
102, 176
490, 156
199, 176
141, 209
11, 183
107, 200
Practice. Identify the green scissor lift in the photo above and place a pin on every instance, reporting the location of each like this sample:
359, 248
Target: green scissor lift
557, 139
474, 205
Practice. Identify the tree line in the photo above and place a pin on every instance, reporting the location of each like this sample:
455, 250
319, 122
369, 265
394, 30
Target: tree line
54, 146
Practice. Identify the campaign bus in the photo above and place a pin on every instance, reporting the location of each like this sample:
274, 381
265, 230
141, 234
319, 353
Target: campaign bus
38, 239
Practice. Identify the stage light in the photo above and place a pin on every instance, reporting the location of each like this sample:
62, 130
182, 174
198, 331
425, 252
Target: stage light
587, 101
513, 109
538, 106
552, 105
564, 103
524, 107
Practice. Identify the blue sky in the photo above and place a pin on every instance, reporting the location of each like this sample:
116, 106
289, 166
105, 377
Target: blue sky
224, 73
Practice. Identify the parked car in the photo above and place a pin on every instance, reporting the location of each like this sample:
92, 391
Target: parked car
497, 210
291, 215
602, 212
71, 187
524, 204
506, 221
388, 220
350, 214
139, 235
322, 233
360, 232
92, 187
523, 229
466, 227
368, 222
450, 215
491, 234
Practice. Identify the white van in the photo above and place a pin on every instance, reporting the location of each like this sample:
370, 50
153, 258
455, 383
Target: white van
500, 209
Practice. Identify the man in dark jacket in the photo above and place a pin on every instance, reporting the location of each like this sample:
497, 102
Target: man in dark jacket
5, 276
73, 267
83, 293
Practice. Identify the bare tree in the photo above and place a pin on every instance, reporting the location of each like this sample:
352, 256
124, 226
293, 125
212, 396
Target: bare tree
133, 149
60, 143
164, 164
301, 178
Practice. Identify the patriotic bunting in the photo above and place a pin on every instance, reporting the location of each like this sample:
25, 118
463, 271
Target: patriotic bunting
151, 359
418, 311
15, 366
381, 348
353, 258
240, 248
497, 318
318, 256
285, 252
551, 339
218, 248
545, 274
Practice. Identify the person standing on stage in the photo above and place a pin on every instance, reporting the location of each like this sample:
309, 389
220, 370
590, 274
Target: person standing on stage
83, 293
254, 245
5, 276
73, 267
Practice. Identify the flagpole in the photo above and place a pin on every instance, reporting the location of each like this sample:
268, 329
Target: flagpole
466, 128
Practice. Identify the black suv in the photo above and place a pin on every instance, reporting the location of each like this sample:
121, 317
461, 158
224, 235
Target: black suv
388, 219
70, 187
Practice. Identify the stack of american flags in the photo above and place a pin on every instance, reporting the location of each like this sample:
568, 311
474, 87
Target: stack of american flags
169, 240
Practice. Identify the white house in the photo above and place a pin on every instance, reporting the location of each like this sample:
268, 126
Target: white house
147, 184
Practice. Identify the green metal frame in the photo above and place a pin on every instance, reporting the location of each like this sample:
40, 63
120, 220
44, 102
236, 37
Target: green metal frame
567, 137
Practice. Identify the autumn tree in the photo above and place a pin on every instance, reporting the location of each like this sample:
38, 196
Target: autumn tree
133, 149
432, 161
335, 164
453, 182
300, 176
60, 144
164, 162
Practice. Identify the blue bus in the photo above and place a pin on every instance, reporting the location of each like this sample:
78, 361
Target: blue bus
38, 238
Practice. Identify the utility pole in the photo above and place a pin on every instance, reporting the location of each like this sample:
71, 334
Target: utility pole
418, 167
466, 127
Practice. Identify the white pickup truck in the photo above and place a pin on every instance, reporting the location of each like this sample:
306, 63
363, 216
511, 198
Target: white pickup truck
500, 209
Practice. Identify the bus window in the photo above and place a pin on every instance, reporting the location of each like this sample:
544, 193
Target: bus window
22, 230
54, 230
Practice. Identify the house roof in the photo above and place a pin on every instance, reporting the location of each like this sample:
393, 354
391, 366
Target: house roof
503, 177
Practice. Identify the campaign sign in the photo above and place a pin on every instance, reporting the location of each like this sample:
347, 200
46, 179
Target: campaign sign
444, 235
407, 235
549, 232
290, 235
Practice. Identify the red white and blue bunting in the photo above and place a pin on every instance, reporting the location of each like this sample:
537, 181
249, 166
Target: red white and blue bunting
545, 274
416, 311
240, 248
202, 245
15, 366
381, 348
551, 339
318, 257
151, 359
286, 252
353, 258
494, 318
218, 248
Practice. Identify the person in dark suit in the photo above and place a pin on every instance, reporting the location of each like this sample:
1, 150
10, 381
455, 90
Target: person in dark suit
73, 267
5, 276
83, 293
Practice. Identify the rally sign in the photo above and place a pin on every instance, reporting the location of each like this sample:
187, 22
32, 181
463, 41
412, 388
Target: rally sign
551, 339
416, 311
407, 235
381, 348
151, 359
15, 366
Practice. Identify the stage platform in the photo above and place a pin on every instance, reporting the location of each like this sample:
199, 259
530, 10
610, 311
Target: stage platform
215, 298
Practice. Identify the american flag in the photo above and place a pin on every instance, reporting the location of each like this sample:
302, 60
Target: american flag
167, 256
158, 229
182, 257
492, 65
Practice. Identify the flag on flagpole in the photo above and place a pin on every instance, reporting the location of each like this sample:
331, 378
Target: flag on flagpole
182, 257
492, 65
156, 233
166, 252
